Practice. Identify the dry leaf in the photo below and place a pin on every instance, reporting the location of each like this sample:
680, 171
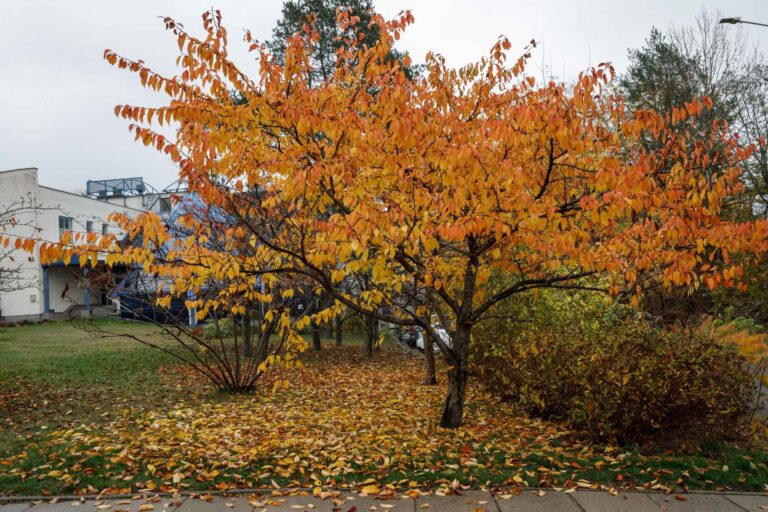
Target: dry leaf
371, 489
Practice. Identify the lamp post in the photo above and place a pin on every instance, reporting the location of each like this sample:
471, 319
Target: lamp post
737, 20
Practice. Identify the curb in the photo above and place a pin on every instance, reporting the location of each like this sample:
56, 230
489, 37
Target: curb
5, 500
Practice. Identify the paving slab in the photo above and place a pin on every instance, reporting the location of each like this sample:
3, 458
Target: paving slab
296, 503
109, 505
468, 501
694, 503
532, 502
751, 502
218, 503
14, 507
370, 504
601, 501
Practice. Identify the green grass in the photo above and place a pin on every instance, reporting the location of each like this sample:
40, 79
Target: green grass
63, 353
58, 376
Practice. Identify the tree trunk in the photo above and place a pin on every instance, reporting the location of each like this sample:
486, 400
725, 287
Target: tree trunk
316, 337
337, 320
247, 339
453, 411
370, 336
429, 361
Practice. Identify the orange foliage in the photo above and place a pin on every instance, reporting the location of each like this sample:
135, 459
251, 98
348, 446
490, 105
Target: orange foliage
428, 185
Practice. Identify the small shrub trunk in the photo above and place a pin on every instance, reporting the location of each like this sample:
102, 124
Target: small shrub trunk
371, 333
337, 320
429, 361
247, 338
316, 345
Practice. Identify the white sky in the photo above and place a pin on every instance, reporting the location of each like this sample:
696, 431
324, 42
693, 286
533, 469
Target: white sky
57, 93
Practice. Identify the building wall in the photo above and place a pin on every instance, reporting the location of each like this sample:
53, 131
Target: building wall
21, 185
80, 209
51, 204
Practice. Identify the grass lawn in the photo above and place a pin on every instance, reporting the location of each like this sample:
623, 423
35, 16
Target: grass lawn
84, 414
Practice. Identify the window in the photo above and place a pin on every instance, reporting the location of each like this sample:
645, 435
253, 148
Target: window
88, 226
104, 229
165, 204
65, 224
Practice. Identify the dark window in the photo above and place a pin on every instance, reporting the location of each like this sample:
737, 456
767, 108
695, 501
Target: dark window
165, 204
88, 226
65, 224
104, 229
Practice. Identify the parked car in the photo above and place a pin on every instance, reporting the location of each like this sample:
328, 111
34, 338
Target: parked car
408, 335
440, 332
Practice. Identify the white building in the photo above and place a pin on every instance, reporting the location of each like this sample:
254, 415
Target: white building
58, 290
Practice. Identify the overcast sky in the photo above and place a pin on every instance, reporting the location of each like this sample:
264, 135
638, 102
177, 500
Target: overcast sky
57, 94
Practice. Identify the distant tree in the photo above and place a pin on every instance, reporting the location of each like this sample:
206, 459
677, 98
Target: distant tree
707, 59
659, 77
330, 37
752, 120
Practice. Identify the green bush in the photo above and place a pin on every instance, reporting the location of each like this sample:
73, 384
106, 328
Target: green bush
353, 323
619, 381
226, 328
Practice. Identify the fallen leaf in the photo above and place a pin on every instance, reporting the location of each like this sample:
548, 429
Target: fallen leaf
371, 489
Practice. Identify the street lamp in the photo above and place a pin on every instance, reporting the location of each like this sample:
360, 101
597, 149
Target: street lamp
736, 20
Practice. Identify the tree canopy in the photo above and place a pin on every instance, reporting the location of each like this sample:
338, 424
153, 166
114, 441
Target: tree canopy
430, 185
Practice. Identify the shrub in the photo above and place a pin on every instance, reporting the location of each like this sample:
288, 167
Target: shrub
626, 382
745, 336
353, 323
226, 329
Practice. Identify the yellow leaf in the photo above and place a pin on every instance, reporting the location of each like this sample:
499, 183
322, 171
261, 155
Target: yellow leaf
371, 489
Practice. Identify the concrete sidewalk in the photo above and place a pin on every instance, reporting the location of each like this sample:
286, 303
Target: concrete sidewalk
469, 501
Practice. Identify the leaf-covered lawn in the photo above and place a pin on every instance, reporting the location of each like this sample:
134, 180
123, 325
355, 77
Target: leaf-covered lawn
138, 422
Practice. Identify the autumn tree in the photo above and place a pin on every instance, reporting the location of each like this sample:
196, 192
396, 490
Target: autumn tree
433, 184
180, 277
